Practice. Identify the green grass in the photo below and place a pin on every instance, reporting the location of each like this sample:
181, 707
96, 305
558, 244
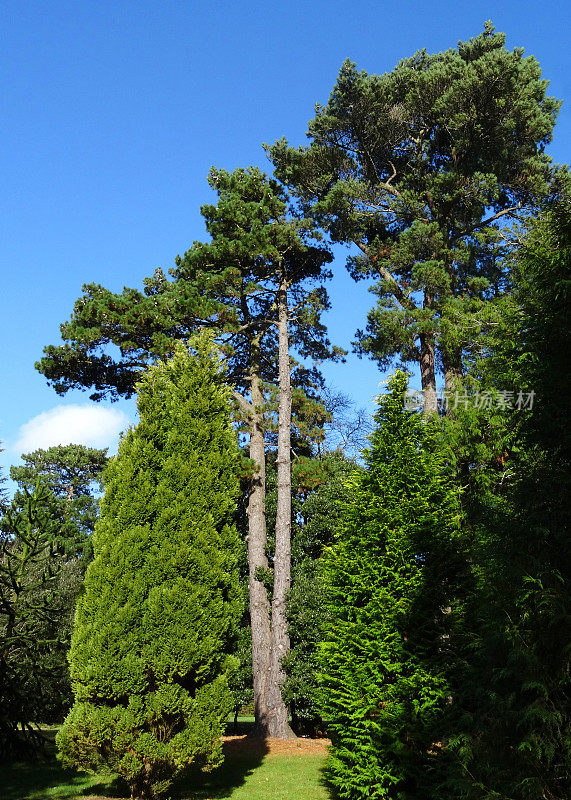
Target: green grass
252, 775
274, 778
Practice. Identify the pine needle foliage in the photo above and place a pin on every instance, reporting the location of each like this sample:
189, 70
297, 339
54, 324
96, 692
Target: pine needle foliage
158, 618
390, 583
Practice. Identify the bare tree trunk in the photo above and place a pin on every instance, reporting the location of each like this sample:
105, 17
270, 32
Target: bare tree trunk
452, 379
259, 604
427, 367
277, 714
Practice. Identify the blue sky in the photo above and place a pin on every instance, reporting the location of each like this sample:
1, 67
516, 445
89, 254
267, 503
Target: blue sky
113, 113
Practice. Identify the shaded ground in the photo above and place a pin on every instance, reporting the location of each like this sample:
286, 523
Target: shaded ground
270, 769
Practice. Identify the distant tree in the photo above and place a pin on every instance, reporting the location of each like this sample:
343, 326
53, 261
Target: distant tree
391, 599
3, 493
321, 493
417, 167
155, 626
241, 682
72, 473
30, 612
347, 429
69, 477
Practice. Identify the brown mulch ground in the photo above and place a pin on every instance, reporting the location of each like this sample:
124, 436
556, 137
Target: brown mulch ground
247, 746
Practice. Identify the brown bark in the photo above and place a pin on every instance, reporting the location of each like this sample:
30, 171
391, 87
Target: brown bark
277, 713
427, 375
452, 382
259, 604
427, 368
452, 377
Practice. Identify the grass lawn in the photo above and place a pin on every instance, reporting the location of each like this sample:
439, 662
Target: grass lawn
283, 771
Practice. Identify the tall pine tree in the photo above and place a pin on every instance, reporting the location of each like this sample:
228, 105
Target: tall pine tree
258, 285
417, 168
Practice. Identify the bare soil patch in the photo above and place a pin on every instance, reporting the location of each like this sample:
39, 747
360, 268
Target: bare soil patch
248, 746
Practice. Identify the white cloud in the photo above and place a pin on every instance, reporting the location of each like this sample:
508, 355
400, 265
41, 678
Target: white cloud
94, 426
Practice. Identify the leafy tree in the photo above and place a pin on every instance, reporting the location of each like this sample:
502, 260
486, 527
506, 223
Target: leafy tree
392, 588
158, 618
30, 609
258, 285
417, 167
241, 682
72, 473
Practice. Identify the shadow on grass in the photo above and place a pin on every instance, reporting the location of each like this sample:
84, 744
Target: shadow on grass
46, 779
325, 782
241, 758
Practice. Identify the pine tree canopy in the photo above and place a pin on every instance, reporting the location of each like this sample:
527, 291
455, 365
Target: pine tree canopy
72, 474
418, 167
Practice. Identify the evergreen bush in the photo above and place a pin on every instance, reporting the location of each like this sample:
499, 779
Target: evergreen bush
155, 626
391, 583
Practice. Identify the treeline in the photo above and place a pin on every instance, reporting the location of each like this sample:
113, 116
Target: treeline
414, 604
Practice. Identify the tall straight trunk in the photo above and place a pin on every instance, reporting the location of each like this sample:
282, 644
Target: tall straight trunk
427, 367
257, 559
427, 374
277, 715
452, 376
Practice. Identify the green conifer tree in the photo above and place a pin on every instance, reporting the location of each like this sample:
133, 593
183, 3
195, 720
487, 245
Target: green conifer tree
391, 583
30, 612
418, 168
154, 628
514, 732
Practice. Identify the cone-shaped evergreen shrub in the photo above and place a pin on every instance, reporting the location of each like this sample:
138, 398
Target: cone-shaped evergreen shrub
158, 617
390, 579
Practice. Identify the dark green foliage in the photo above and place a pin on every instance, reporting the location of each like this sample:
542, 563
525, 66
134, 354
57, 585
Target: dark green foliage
72, 473
158, 618
417, 167
228, 284
3, 494
30, 615
69, 476
306, 617
515, 731
241, 680
320, 497
392, 582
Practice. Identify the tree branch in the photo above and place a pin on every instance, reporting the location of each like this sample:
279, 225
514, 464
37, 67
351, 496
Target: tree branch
488, 221
242, 403
397, 291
